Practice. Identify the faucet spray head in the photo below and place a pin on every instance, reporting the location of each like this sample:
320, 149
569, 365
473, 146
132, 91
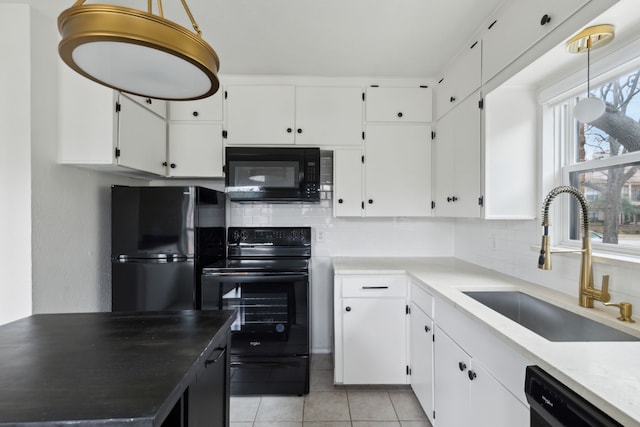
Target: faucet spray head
544, 260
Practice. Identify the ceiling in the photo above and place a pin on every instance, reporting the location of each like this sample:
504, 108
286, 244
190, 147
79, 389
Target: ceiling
332, 38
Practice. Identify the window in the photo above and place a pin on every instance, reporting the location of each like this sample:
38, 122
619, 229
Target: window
602, 159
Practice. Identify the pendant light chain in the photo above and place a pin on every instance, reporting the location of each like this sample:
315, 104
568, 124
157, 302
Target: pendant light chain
193, 21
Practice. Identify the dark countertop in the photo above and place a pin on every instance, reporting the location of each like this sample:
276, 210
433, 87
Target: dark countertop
102, 368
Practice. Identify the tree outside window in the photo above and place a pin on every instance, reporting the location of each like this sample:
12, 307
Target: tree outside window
613, 190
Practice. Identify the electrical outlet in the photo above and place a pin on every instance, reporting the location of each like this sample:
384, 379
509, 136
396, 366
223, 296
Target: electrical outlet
319, 235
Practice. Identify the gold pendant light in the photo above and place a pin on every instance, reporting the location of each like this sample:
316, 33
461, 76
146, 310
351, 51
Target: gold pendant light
138, 52
589, 109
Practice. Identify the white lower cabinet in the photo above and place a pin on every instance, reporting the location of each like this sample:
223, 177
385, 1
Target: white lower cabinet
421, 357
370, 321
466, 394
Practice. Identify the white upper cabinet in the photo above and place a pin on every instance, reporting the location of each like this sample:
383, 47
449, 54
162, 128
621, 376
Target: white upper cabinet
460, 80
207, 109
400, 105
328, 116
142, 138
457, 162
517, 27
347, 178
258, 114
397, 170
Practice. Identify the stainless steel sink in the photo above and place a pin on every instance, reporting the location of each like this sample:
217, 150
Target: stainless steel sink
547, 320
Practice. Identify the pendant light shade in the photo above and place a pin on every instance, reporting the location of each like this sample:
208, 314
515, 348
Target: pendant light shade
138, 52
589, 109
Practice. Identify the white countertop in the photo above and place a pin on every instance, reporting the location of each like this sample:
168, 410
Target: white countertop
605, 373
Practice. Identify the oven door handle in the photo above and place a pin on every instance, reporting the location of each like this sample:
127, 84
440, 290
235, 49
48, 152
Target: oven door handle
283, 274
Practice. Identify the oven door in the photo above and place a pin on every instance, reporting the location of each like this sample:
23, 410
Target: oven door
272, 310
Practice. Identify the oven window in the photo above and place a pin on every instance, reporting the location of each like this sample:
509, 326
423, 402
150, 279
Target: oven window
270, 174
265, 311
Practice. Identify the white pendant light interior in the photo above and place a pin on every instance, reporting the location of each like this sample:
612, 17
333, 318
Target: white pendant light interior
138, 52
589, 109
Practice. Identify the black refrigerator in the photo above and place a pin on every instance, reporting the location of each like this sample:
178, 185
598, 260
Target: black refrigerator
161, 238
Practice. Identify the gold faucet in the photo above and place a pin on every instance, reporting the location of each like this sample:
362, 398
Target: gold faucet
626, 311
587, 293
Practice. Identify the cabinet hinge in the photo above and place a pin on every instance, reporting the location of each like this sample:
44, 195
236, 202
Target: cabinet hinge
407, 309
226, 94
492, 24
117, 152
118, 107
408, 370
433, 337
363, 136
225, 134
473, 45
434, 415
362, 159
481, 104
433, 135
363, 96
424, 87
433, 204
363, 205
441, 80
481, 201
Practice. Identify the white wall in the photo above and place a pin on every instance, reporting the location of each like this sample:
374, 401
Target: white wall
512, 247
70, 207
15, 170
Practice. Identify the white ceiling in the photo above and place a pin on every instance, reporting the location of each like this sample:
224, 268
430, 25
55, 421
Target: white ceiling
344, 38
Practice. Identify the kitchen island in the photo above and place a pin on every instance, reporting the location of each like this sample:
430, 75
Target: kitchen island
135, 369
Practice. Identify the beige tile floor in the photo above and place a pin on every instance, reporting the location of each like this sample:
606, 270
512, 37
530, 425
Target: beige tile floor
327, 405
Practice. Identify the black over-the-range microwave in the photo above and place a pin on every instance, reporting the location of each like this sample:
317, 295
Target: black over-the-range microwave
272, 174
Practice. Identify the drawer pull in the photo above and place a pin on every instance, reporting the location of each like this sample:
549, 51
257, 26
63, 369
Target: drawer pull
221, 352
375, 287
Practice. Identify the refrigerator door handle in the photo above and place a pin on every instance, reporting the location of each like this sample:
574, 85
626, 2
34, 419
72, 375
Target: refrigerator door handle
159, 258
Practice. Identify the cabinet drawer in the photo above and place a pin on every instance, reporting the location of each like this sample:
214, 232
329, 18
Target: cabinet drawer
374, 286
422, 299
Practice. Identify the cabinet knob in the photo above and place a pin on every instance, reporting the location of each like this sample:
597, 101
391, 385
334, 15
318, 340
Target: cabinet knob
348, 308
400, 114
164, 163
172, 165
545, 20
462, 366
195, 114
454, 198
472, 375
148, 101
299, 130
426, 328
452, 99
340, 201
289, 130
370, 201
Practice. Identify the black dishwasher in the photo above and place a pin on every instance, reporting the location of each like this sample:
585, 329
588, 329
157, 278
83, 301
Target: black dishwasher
555, 405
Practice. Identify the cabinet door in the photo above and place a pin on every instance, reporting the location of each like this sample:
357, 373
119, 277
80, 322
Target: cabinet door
328, 116
460, 80
374, 341
260, 115
347, 182
451, 382
443, 151
142, 138
208, 395
492, 404
207, 109
421, 344
158, 106
402, 105
518, 26
398, 170
195, 150
467, 161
